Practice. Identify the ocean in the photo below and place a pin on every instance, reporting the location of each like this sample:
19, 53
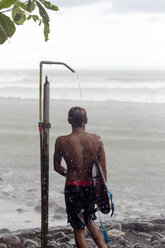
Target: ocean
126, 108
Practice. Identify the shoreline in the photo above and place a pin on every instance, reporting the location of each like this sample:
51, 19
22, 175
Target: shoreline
81, 101
136, 233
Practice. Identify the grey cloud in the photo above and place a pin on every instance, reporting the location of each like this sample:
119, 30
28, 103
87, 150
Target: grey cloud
142, 6
120, 6
71, 3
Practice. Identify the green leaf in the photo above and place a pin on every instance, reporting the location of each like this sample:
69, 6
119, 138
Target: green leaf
3, 35
43, 13
29, 7
29, 17
18, 15
49, 5
7, 28
45, 20
35, 18
46, 31
6, 3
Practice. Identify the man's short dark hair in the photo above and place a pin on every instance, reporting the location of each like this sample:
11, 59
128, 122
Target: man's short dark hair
77, 116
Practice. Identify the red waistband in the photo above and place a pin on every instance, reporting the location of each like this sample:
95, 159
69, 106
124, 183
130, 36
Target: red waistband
79, 183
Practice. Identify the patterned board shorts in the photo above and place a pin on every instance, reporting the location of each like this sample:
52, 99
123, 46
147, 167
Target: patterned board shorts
80, 205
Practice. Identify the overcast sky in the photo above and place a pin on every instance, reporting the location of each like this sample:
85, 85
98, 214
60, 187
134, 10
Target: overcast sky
105, 34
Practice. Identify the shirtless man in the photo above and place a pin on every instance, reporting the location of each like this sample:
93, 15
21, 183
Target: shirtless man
79, 150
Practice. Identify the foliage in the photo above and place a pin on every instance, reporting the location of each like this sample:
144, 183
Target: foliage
21, 12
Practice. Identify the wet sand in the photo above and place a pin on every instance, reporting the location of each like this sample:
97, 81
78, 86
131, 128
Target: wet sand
128, 234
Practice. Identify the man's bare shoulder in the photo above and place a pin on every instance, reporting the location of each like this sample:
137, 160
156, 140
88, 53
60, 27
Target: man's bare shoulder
62, 138
95, 137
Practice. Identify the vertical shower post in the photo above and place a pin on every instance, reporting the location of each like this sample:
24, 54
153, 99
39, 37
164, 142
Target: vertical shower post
44, 126
45, 168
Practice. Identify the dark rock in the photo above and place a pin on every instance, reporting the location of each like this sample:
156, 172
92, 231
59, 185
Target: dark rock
145, 236
158, 227
52, 244
156, 243
117, 226
4, 230
64, 239
65, 245
156, 236
38, 240
3, 245
137, 234
71, 241
57, 235
26, 232
137, 245
124, 242
30, 242
143, 226
73, 246
159, 221
11, 239
162, 240
157, 246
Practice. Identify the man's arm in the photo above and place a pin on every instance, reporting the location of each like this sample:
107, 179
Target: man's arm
57, 159
102, 159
